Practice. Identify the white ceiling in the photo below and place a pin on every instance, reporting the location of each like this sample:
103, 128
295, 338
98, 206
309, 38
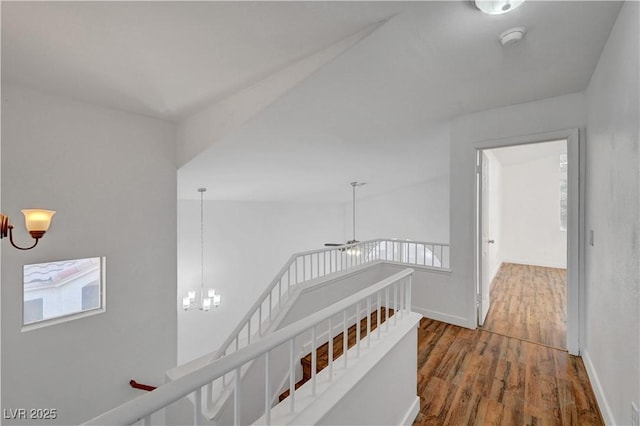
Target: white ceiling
377, 113
165, 58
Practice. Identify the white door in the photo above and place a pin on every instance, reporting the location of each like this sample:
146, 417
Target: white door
483, 286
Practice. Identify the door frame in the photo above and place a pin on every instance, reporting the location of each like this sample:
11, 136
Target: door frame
482, 249
575, 225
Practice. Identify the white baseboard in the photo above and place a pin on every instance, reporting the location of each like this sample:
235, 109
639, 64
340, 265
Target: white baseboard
605, 410
533, 263
441, 316
412, 413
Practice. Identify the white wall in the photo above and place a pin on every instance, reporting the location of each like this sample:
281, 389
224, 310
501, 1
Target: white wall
246, 244
558, 113
418, 212
433, 296
613, 273
111, 176
531, 232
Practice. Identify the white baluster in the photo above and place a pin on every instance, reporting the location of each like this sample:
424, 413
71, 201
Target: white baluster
345, 337
409, 293
267, 387
236, 399
209, 395
379, 326
368, 322
358, 330
395, 303
292, 374
330, 348
197, 406
314, 360
401, 301
386, 303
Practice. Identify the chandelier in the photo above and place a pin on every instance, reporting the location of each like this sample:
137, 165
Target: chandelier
201, 300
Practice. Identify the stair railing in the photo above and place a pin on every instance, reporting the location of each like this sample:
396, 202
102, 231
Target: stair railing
306, 266
409, 252
394, 291
301, 268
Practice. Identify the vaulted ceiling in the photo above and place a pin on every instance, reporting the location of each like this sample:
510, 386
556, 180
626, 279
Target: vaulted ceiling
374, 110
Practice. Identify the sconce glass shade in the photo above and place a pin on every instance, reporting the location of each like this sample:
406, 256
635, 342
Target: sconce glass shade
497, 7
186, 302
211, 293
216, 300
191, 295
37, 221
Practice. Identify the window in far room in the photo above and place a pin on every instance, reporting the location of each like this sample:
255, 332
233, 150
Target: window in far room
563, 192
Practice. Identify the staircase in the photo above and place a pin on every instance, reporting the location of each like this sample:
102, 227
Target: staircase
322, 352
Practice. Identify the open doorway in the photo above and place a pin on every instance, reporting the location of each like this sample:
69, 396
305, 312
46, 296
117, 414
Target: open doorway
528, 237
524, 244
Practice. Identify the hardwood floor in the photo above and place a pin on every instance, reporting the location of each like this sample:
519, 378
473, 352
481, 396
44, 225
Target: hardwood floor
529, 303
475, 377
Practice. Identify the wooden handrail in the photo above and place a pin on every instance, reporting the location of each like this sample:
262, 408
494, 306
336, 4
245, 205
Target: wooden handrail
141, 386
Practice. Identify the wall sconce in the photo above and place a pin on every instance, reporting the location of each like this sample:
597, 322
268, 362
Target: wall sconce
37, 222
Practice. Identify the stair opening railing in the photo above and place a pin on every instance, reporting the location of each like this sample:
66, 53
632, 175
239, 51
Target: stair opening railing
306, 266
310, 265
394, 292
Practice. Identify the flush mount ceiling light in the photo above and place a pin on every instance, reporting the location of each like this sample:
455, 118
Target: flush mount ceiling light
512, 35
497, 7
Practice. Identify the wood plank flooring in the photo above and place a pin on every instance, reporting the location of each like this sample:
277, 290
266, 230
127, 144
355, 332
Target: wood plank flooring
475, 377
529, 303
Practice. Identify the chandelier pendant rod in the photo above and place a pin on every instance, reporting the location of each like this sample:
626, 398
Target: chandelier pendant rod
354, 184
201, 191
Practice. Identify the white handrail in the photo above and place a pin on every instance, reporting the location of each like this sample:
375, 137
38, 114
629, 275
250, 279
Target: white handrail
144, 406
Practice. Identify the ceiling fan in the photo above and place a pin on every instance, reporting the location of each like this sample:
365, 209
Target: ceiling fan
352, 241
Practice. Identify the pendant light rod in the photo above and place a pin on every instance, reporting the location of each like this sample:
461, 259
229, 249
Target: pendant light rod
354, 184
202, 191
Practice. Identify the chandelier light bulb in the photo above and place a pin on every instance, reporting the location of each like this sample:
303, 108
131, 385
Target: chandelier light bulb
206, 304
